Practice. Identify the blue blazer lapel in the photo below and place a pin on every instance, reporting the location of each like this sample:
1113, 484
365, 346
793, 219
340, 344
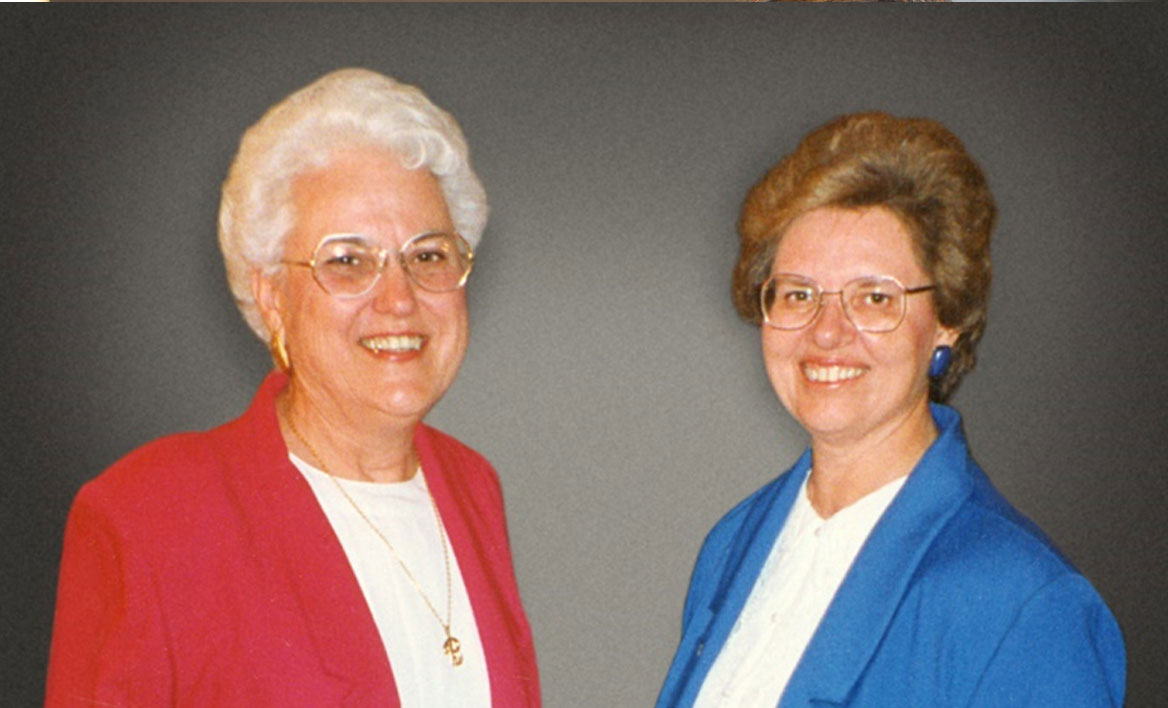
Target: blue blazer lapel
755, 538
708, 624
871, 592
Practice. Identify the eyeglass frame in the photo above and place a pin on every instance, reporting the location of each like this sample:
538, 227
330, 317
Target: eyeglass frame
383, 260
820, 293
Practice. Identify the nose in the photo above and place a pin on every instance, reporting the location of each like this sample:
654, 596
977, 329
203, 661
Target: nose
831, 327
394, 291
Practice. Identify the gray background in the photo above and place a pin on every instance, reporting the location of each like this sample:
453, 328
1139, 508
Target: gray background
608, 379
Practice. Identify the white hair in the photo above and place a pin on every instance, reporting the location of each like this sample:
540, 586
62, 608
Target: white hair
344, 109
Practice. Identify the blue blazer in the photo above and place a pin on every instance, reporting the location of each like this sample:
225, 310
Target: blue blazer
955, 599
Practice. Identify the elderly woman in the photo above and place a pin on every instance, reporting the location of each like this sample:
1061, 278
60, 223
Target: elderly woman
327, 547
882, 569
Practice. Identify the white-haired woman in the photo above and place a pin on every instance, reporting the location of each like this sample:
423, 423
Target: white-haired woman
326, 547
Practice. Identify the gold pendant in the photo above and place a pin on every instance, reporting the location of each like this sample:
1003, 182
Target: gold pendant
453, 649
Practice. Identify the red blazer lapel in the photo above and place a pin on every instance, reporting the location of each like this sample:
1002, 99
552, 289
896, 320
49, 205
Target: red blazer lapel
470, 502
289, 521
281, 501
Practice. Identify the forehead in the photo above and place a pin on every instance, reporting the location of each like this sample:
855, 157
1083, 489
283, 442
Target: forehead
367, 192
833, 246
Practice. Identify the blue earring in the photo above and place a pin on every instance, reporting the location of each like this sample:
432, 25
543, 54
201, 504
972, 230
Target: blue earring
939, 364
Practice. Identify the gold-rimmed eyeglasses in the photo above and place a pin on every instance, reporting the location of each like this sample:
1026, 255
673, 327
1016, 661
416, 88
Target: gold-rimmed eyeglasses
349, 265
872, 304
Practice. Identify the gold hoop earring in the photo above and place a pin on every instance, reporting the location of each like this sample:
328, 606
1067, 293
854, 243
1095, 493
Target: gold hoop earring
280, 351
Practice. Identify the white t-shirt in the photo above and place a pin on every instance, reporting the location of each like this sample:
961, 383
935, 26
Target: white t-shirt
801, 575
412, 636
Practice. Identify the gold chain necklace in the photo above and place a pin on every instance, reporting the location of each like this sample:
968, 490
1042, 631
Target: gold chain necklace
451, 647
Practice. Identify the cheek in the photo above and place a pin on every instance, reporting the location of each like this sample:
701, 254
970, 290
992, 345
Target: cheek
777, 347
460, 338
911, 351
326, 318
454, 325
310, 320
926, 334
456, 314
779, 358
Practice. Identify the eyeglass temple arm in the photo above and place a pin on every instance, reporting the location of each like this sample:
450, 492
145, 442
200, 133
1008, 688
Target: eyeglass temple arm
920, 289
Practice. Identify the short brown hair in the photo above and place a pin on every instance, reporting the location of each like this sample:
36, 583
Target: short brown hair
915, 168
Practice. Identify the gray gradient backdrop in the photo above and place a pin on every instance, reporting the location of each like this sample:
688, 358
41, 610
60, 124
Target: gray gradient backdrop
608, 379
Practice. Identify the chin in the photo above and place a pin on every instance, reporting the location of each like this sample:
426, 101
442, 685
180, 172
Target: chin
823, 425
408, 400
828, 417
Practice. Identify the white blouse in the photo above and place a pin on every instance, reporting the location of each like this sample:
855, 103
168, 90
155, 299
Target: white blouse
412, 636
801, 575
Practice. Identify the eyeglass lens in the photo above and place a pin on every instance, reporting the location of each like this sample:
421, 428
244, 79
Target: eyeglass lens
872, 304
350, 265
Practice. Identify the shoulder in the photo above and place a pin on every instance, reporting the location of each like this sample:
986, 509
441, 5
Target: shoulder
451, 450
170, 486
988, 542
162, 467
993, 595
752, 519
449, 446
984, 544
991, 573
1036, 623
454, 458
743, 518
733, 520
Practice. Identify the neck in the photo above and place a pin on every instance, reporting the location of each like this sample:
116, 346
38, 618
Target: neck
846, 470
366, 447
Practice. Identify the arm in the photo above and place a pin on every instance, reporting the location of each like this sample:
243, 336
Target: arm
108, 643
1064, 649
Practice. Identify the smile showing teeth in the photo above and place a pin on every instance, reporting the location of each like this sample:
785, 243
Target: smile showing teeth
394, 343
832, 374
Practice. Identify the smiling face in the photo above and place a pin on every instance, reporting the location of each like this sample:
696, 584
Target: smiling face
394, 350
843, 385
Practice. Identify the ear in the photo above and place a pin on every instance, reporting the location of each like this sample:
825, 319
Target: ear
946, 336
268, 294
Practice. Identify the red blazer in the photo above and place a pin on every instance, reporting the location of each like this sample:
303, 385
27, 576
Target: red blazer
200, 570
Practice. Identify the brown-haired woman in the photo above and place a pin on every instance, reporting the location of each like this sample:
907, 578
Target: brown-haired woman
883, 568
